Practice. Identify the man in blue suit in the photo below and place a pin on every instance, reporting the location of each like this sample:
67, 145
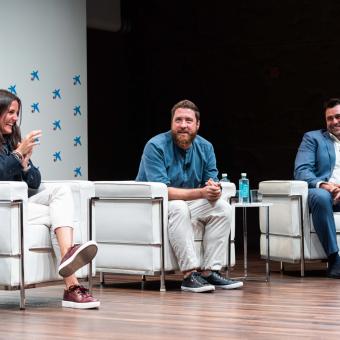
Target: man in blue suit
318, 162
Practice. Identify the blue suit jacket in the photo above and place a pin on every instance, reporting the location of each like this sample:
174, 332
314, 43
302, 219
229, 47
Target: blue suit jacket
315, 159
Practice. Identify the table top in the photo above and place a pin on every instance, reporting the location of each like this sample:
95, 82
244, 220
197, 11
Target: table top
252, 205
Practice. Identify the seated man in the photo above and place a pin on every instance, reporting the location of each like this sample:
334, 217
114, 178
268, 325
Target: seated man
186, 163
52, 206
318, 163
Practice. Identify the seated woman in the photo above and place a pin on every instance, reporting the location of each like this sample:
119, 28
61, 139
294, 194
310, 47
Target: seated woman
52, 207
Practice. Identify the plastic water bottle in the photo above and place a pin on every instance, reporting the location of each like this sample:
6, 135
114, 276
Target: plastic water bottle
243, 187
224, 178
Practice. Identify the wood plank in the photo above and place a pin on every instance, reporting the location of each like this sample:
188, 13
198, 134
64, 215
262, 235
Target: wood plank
287, 306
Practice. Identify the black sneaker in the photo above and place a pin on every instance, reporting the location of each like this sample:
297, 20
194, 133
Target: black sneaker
196, 283
334, 271
221, 282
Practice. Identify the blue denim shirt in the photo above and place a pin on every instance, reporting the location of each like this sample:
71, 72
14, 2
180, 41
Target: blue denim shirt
163, 161
11, 169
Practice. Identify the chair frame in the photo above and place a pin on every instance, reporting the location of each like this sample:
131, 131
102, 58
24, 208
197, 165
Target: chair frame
21, 257
301, 236
160, 245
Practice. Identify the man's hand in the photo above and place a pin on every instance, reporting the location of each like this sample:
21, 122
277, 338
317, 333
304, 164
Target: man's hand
212, 190
333, 188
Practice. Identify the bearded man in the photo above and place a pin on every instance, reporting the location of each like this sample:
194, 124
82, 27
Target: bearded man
186, 163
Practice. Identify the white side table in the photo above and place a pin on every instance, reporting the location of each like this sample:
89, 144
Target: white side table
244, 207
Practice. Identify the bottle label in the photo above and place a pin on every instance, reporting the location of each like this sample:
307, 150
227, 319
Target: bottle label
244, 191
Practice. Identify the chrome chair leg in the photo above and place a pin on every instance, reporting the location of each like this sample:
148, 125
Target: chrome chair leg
101, 278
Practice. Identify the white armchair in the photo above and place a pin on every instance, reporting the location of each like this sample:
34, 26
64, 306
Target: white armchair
26, 253
131, 229
292, 234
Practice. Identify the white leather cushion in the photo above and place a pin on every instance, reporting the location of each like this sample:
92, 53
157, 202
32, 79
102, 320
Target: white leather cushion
288, 248
130, 221
129, 257
37, 236
283, 216
39, 267
9, 234
283, 248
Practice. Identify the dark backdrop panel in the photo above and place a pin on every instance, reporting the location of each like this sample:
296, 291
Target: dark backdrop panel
258, 70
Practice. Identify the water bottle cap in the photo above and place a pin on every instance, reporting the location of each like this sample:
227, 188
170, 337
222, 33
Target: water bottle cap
224, 175
243, 174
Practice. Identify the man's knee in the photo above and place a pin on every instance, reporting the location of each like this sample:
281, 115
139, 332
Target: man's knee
223, 208
319, 198
178, 207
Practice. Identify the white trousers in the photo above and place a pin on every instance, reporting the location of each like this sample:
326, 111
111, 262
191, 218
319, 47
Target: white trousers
214, 217
52, 206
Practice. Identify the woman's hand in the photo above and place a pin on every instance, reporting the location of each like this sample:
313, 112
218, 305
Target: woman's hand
26, 160
28, 143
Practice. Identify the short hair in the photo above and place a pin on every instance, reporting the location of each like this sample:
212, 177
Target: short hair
331, 103
185, 104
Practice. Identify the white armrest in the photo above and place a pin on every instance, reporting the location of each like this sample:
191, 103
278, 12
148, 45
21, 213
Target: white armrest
130, 189
228, 190
283, 187
12, 190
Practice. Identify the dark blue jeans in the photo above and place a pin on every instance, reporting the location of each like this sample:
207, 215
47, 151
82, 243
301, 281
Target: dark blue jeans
321, 206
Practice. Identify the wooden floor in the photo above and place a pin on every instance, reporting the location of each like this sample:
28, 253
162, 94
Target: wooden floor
289, 306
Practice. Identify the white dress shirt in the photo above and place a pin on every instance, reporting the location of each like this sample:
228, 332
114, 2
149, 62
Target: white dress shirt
335, 177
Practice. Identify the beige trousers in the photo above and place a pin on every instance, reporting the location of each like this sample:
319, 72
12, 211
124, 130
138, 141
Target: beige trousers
214, 217
52, 206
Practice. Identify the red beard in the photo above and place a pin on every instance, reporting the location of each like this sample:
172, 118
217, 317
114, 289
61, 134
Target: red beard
183, 140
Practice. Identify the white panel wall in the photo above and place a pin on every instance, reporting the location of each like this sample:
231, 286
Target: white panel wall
43, 50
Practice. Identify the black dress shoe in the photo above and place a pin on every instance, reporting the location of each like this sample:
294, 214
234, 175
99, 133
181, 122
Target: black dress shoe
334, 271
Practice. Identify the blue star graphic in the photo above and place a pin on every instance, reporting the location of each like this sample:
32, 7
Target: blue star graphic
57, 156
35, 107
12, 89
35, 75
57, 125
56, 94
76, 80
77, 172
76, 110
77, 140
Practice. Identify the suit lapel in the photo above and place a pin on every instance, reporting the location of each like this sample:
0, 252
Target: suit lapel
330, 149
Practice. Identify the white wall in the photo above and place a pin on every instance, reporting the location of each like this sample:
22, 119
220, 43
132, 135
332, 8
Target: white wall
48, 36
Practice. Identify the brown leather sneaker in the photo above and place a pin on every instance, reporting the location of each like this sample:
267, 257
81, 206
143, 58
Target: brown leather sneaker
79, 297
77, 257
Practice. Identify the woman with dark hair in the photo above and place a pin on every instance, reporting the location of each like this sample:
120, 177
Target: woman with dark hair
52, 206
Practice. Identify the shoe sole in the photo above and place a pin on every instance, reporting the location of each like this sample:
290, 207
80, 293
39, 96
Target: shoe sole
80, 258
231, 286
198, 290
80, 305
